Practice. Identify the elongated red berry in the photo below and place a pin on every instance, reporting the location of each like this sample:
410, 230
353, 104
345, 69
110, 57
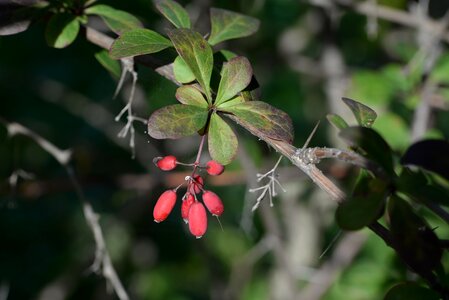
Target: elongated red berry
197, 219
213, 203
164, 205
165, 163
196, 185
214, 168
185, 207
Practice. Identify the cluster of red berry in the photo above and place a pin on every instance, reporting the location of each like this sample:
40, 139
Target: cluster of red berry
192, 210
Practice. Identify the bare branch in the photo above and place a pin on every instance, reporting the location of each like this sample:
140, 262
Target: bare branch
102, 259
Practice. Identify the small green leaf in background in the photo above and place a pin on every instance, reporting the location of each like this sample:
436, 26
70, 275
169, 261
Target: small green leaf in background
174, 12
118, 21
262, 119
138, 41
372, 144
188, 94
176, 121
235, 77
228, 25
108, 63
337, 121
415, 242
222, 141
432, 155
365, 116
61, 30
411, 291
197, 54
364, 206
182, 72
228, 55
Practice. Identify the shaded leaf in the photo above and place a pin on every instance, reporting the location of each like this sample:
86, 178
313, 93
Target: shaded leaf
16, 17
138, 42
415, 241
174, 12
176, 121
182, 72
222, 141
372, 144
118, 21
364, 207
416, 186
188, 94
337, 121
197, 54
61, 30
228, 25
108, 63
262, 119
365, 116
235, 76
411, 291
432, 155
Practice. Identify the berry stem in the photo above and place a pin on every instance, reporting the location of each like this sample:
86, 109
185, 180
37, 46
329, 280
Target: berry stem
198, 156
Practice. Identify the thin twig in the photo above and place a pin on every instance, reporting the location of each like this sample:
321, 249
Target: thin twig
102, 262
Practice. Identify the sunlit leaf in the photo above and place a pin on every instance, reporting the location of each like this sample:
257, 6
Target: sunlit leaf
337, 121
176, 121
188, 94
182, 72
411, 291
138, 42
235, 76
364, 206
415, 242
365, 116
223, 143
228, 55
197, 54
228, 25
118, 21
371, 143
174, 12
232, 102
262, 119
61, 30
108, 63
432, 155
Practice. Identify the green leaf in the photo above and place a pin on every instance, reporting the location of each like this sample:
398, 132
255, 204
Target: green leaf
228, 25
138, 41
188, 94
372, 144
108, 63
235, 77
222, 141
174, 12
61, 30
411, 291
338, 122
232, 102
118, 21
432, 155
415, 242
197, 54
176, 121
361, 210
182, 72
228, 55
262, 119
365, 116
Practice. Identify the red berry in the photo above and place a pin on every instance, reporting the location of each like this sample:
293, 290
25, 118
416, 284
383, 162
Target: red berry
197, 219
213, 203
214, 168
185, 207
165, 163
196, 185
164, 205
